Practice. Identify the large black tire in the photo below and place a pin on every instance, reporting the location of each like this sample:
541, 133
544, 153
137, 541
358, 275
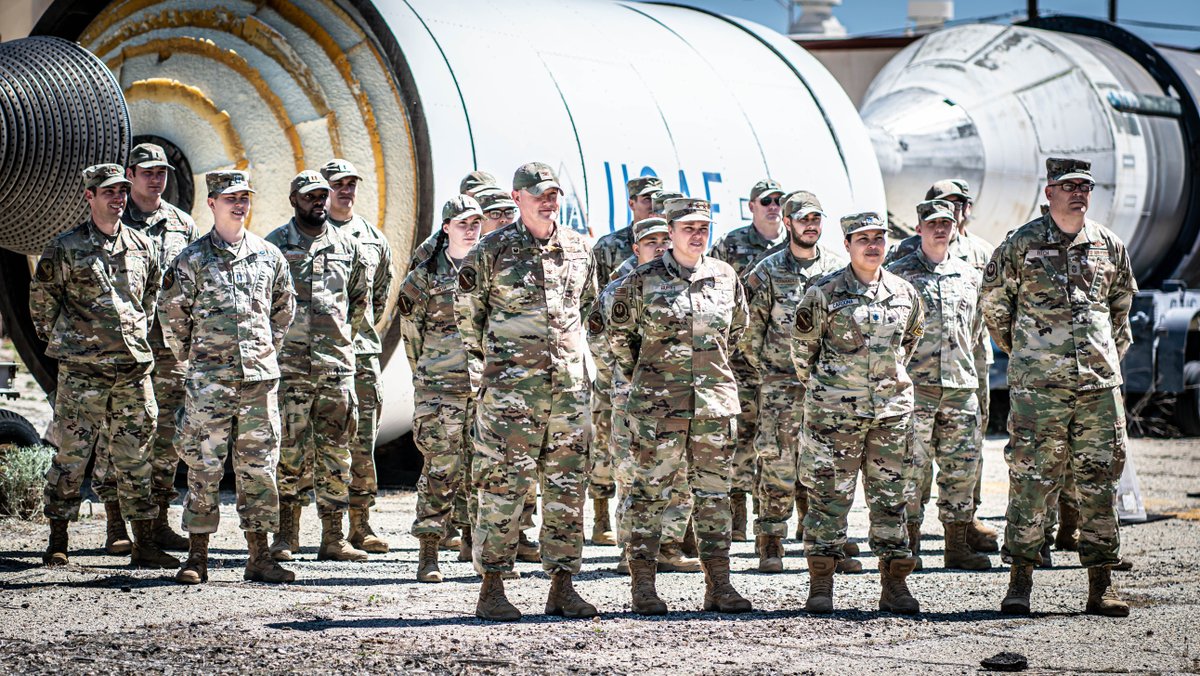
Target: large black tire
16, 430
1187, 407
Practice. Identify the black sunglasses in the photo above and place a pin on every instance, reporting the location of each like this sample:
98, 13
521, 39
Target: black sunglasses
1072, 187
769, 200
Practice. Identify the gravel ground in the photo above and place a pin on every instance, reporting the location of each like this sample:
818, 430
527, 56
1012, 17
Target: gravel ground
99, 616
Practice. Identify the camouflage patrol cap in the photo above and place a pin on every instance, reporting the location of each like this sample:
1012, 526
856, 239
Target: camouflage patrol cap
147, 155
647, 227
337, 169
308, 181
949, 187
867, 220
1064, 169
535, 177
661, 199
461, 207
494, 198
765, 187
103, 175
476, 181
225, 182
802, 203
931, 209
643, 185
686, 209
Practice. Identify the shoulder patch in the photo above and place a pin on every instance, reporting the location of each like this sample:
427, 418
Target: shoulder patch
45, 270
405, 305
168, 279
595, 323
468, 279
989, 273
804, 319
619, 312
919, 330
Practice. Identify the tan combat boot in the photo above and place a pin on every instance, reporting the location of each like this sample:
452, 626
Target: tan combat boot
958, 554
527, 550
116, 538
1044, 552
1020, 586
914, 543
362, 536
163, 535
261, 565
333, 544
1102, 596
671, 559
146, 552
564, 601
450, 541
770, 553
427, 559
1067, 539
801, 511
982, 537
690, 546
737, 505
848, 564
894, 596
623, 563
195, 569
56, 550
820, 584
602, 531
645, 596
287, 540
464, 547
851, 549
492, 604
719, 594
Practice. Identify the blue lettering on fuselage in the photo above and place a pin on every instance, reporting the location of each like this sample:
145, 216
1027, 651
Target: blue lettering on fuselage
617, 195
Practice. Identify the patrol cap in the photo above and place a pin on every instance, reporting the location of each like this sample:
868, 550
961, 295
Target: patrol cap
661, 198
1065, 169
949, 187
477, 180
494, 198
337, 169
224, 182
765, 187
686, 209
103, 175
643, 185
147, 155
802, 203
868, 220
932, 209
308, 181
647, 227
459, 208
536, 177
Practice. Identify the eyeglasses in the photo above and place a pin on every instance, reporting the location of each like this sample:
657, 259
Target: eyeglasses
496, 214
1072, 187
769, 201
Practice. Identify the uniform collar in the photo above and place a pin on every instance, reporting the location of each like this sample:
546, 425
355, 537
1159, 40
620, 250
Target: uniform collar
1089, 233
147, 217
851, 284
239, 251
942, 268
321, 242
119, 240
795, 264
757, 236
702, 270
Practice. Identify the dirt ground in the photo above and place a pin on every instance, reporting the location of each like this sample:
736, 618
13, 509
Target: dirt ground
99, 616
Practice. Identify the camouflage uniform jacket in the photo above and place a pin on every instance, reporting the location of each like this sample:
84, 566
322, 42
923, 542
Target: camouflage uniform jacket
521, 306
431, 337
627, 266
852, 342
610, 252
948, 354
774, 287
425, 249
1058, 304
968, 247
741, 246
92, 298
171, 229
608, 377
226, 308
377, 261
332, 292
671, 332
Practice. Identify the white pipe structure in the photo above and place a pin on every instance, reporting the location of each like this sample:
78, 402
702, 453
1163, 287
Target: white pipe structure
416, 93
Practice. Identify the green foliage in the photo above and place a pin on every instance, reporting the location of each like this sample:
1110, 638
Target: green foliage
22, 478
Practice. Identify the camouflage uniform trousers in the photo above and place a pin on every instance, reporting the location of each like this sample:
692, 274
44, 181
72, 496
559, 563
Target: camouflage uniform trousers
679, 507
220, 417
320, 422
517, 433
984, 395
102, 405
780, 425
368, 387
1053, 433
603, 485
670, 455
442, 432
164, 459
835, 448
745, 457
946, 430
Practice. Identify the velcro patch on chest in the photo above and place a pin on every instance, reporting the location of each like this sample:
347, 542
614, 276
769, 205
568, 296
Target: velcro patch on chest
1034, 254
839, 304
293, 256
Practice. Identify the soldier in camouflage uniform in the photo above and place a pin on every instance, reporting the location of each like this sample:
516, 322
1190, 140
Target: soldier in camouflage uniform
376, 252
943, 370
318, 399
1056, 298
227, 301
741, 248
443, 385
473, 184
775, 286
671, 327
855, 331
523, 292
92, 300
